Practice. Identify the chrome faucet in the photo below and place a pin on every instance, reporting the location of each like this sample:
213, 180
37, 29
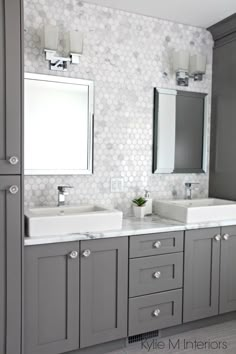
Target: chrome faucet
62, 192
188, 189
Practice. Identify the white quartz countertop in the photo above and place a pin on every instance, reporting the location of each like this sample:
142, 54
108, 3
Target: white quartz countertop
131, 226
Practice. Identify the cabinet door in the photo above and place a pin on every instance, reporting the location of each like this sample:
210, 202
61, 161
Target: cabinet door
10, 86
104, 290
10, 265
227, 270
51, 298
201, 275
223, 122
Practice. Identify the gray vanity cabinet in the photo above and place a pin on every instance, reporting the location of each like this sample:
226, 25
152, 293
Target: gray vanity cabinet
10, 86
228, 270
10, 265
201, 273
104, 290
51, 298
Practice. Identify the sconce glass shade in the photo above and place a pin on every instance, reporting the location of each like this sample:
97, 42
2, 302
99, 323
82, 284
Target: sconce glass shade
75, 42
181, 61
50, 37
181, 67
198, 64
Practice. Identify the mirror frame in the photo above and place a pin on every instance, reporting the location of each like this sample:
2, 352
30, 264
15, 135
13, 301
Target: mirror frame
90, 142
204, 169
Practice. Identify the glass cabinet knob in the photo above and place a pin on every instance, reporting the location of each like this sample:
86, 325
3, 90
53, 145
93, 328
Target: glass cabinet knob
157, 275
73, 255
13, 189
157, 244
86, 253
217, 238
156, 313
226, 237
13, 160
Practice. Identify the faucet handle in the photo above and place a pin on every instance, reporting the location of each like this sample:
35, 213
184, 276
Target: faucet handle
63, 189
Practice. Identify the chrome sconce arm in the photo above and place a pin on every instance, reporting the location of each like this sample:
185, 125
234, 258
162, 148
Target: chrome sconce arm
57, 63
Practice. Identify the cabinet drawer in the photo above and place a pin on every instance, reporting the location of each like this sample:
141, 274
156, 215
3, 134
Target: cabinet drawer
154, 244
155, 274
157, 311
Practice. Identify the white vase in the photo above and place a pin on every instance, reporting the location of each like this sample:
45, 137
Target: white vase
139, 212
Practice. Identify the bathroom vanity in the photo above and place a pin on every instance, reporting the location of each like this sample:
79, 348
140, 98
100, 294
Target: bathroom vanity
106, 287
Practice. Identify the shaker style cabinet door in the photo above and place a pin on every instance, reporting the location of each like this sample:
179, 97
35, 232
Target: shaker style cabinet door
10, 87
10, 265
51, 298
201, 275
104, 290
228, 270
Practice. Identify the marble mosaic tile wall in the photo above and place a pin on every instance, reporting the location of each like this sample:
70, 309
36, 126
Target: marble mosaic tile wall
126, 55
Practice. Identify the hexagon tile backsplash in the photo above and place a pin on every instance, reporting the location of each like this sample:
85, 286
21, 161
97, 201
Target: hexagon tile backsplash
126, 55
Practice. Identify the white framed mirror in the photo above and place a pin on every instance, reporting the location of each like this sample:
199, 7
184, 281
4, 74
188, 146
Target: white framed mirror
58, 125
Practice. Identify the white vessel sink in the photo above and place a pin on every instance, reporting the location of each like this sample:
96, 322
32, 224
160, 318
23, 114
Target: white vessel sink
69, 220
196, 210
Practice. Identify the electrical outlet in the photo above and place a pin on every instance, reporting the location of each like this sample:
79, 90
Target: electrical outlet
117, 185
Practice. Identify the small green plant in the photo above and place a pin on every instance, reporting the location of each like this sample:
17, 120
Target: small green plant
139, 201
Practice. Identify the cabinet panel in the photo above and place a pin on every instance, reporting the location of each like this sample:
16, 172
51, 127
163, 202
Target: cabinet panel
104, 291
201, 278
51, 299
10, 266
227, 270
154, 244
156, 311
223, 123
10, 85
154, 274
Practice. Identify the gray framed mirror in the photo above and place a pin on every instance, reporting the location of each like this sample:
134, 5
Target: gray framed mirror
179, 131
58, 125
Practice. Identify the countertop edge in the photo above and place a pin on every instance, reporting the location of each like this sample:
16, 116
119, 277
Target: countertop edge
131, 227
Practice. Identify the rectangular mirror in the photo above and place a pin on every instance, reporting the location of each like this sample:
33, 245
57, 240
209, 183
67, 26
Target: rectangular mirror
58, 125
179, 132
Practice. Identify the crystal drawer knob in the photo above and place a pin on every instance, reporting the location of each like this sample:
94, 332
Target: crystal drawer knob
157, 244
73, 255
156, 313
226, 237
156, 275
217, 238
13, 189
86, 253
13, 160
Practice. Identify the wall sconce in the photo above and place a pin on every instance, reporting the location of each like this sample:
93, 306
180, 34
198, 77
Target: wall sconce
186, 66
181, 67
50, 44
198, 66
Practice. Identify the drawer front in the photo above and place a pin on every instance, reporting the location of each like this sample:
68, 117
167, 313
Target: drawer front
155, 274
154, 244
157, 311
